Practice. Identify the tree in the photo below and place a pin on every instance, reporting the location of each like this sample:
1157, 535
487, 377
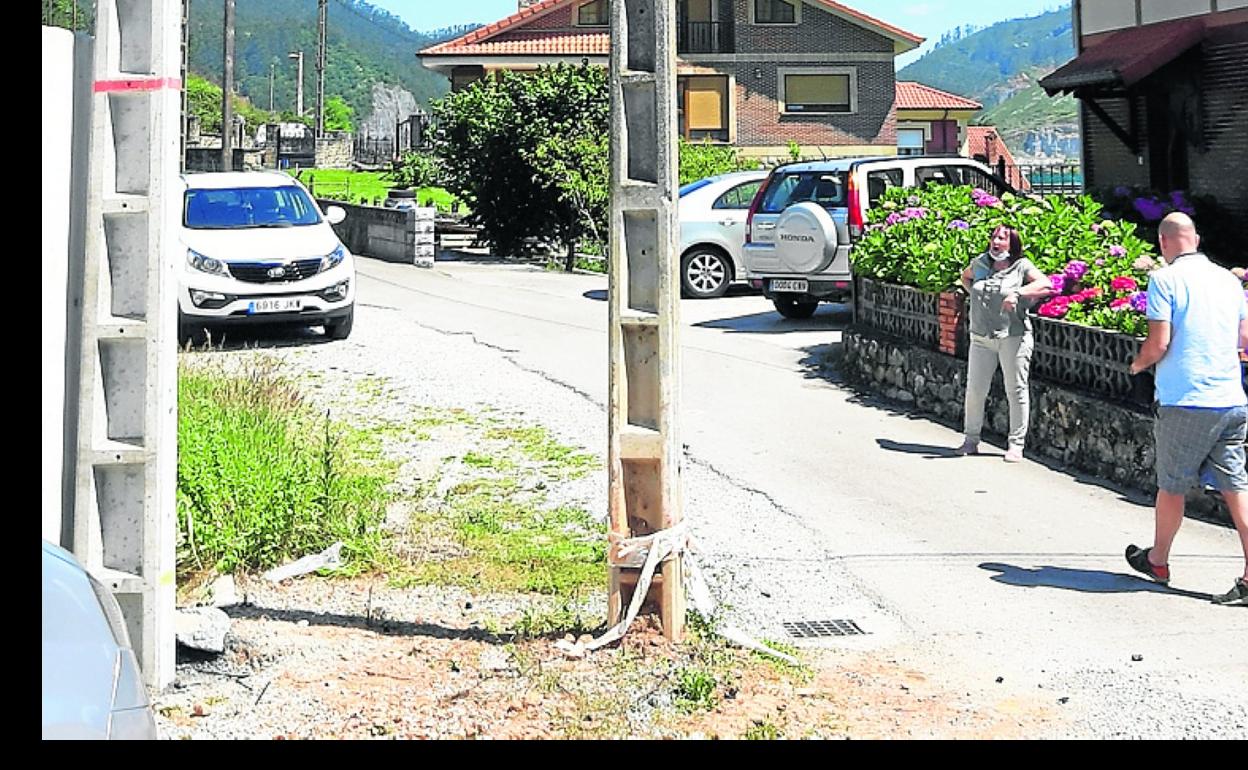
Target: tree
203, 99
527, 153
339, 116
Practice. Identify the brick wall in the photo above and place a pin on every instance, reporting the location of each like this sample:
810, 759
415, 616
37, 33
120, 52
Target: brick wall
759, 122
819, 32
1110, 162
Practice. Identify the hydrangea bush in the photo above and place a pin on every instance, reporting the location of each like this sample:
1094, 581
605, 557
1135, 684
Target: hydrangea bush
1099, 267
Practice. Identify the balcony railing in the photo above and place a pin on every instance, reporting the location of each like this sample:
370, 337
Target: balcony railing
704, 37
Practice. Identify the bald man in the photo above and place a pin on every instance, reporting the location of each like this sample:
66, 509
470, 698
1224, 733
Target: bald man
1197, 324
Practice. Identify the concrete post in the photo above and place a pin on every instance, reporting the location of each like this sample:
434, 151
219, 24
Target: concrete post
126, 428
644, 450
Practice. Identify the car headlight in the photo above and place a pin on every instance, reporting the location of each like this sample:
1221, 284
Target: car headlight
206, 264
334, 258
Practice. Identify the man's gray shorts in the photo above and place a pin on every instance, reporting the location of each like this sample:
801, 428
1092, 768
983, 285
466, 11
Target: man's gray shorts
1201, 445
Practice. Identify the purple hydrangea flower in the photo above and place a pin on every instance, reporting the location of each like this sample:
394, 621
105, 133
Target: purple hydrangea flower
1117, 251
1100, 263
915, 213
893, 219
1152, 210
1076, 269
958, 224
1059, 282
1139, 302
1096, 228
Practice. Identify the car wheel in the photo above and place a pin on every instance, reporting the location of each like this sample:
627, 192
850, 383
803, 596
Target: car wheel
704, 273
791, 307
340, 329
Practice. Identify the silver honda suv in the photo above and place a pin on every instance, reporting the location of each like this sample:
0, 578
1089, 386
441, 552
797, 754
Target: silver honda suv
805, 217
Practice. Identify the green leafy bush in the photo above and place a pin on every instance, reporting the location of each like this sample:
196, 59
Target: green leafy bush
925, 238
414, 171
700, 160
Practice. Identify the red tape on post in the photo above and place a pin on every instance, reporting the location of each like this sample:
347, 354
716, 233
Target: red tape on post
137, 84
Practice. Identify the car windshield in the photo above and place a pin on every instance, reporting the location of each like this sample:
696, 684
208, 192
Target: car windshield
249, 207
826, 188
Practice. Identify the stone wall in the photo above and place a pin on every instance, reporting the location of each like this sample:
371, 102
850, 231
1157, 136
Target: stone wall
333, 150
387, 234
1083, 433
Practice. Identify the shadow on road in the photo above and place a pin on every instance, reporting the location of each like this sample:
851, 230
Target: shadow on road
1082, 580
836, 318
260, 336
929, 451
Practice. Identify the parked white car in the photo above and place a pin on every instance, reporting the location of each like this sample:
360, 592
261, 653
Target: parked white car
255, 248
92, 686
712, 232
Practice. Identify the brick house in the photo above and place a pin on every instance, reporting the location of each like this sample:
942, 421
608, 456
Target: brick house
931, 121
753, 73
1163, 88
985, 145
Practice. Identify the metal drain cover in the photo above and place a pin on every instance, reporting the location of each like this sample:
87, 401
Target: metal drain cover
814, 629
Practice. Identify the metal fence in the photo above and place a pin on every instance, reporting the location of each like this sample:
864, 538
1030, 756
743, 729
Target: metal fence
1045, 179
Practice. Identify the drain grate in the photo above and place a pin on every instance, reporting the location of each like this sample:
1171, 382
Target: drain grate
813, 629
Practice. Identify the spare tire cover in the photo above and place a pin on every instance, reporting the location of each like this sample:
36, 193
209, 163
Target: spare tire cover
805, 238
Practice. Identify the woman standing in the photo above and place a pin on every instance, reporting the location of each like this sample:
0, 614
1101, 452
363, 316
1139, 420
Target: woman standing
1002, 284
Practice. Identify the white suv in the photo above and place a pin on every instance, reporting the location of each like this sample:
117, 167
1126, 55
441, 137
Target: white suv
256, 249
806, 216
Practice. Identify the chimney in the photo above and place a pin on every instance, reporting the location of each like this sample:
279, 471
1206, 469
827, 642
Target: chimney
522, 4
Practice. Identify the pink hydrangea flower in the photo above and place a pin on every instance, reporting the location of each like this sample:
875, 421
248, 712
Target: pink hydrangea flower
1076, 269
1120, 303
1124, 283
1117, 251
1055, 308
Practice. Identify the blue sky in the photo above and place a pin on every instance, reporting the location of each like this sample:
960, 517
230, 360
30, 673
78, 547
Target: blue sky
929, 18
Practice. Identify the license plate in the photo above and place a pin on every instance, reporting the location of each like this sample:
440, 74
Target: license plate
275, 305
800, 287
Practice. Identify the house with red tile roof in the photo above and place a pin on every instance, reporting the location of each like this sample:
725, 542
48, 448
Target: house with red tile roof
931, 121
985, 145
757, 74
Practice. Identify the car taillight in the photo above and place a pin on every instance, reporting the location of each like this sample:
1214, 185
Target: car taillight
856, 222
758, 197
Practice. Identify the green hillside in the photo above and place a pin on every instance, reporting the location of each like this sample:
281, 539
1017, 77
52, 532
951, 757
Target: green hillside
990, 65
366, 45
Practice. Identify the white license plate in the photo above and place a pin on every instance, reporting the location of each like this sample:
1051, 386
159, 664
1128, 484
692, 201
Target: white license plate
800, 287
275, 305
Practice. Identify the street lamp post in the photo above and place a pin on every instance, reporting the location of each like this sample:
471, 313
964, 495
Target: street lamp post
298, 57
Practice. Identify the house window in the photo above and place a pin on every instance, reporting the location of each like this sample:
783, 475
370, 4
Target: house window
776, 11
910, 141
703, 111
593, 14
817, 91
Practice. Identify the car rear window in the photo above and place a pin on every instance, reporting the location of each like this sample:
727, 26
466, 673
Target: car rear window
247, 207
827, 188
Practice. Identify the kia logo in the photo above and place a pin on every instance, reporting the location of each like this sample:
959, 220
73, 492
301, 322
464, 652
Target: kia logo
277, 272
798, 238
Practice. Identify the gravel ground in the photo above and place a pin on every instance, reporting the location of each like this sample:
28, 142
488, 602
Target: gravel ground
448, 678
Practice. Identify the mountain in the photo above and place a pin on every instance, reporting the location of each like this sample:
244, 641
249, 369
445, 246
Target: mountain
999, 66
366, 47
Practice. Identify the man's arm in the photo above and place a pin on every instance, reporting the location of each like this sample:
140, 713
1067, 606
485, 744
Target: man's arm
1158, 343
1243, 334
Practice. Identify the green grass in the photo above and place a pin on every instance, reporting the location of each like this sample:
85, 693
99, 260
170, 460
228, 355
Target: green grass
537, 445
363, 187
263, 478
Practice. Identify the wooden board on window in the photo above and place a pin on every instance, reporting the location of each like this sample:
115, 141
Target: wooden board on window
704, 107
816, 89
